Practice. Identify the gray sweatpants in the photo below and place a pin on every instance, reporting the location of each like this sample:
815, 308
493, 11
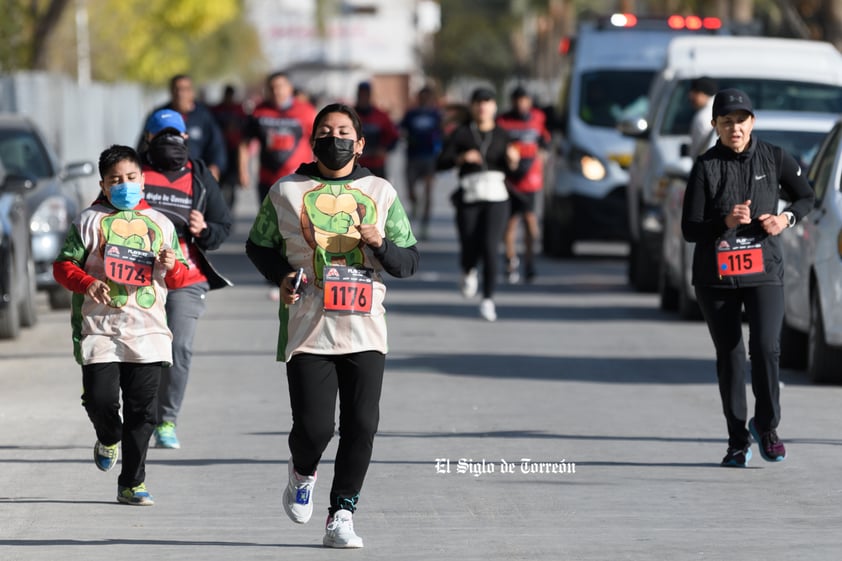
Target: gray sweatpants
184, 308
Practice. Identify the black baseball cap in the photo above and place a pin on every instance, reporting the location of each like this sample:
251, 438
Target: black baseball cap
730, 100
482, 94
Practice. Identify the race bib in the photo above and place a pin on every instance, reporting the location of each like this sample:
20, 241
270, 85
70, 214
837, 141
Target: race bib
127, 265
744, 256
347, 289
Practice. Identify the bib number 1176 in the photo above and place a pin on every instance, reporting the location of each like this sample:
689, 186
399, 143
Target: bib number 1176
347, 289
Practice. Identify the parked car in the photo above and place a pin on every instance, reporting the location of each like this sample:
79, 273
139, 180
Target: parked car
778, 75
812, 333
608, 69
17, 270
799, 133
50, 194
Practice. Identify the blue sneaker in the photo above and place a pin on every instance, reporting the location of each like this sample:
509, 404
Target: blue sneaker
165, 436
771, 447
736, 457
105, 457
137, 495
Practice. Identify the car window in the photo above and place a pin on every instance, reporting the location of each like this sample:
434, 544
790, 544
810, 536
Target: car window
820, 173
782, 95
23, 154
609, 96
803, 145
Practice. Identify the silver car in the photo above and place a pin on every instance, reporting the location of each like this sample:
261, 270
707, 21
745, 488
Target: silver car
50, 193
812, 334
799, 133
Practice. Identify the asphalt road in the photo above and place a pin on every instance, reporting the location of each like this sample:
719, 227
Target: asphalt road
586, 420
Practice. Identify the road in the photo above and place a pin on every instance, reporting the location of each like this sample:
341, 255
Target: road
587, 421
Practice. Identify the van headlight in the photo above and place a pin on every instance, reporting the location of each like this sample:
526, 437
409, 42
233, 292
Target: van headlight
50, 216
589, 166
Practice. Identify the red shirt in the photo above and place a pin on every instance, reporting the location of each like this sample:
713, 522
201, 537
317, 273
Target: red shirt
528, 133
284, 136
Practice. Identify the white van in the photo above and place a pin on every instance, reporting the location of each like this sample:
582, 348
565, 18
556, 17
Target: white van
607, 76
777, 74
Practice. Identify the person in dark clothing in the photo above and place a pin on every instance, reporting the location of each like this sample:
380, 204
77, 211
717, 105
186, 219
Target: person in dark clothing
422, 127
186, 192
731, 213
231, 118
204, 137
325, 236
485, 155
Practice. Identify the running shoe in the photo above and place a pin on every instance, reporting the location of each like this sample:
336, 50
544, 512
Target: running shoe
512, 270
137, 496
339, 531
105, 457
487, 310
469, 284
298, 495
736, 457
771, 447
165, 436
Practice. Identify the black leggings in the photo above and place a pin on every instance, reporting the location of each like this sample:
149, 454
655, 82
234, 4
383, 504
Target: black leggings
101, 385
481, 226
314, 381
722, 309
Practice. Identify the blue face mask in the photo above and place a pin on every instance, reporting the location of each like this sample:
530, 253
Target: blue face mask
125, 196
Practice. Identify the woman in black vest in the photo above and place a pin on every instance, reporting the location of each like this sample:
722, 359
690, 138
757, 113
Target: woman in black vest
731, 213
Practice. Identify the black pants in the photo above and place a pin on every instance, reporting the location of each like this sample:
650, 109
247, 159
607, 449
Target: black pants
481, 226
722, 310
314, 381
101, 385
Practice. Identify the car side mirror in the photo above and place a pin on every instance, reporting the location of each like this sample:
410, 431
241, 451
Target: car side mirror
76, 170
634, 128
684, 151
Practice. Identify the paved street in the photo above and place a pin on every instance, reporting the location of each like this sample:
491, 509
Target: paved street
614, 400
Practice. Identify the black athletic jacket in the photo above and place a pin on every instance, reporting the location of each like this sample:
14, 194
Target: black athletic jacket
722, 178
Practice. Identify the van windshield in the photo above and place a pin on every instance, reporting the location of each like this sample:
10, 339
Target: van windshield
609, 96
780, 95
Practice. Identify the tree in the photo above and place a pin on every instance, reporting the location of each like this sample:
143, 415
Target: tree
141, 40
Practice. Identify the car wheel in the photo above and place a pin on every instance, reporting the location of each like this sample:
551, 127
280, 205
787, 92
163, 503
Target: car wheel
28, 315
60, 298
793, 348
10, 321
668, 293
823, 361
556, 237
643, 269
688, 308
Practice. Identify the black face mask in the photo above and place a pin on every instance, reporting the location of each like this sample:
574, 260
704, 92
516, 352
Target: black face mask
168, 152
334, 152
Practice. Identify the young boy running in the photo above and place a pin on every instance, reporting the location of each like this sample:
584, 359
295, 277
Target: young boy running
119, 259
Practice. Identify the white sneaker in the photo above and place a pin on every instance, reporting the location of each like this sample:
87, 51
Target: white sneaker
339, 531
298, 495
469, 284
487, 310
